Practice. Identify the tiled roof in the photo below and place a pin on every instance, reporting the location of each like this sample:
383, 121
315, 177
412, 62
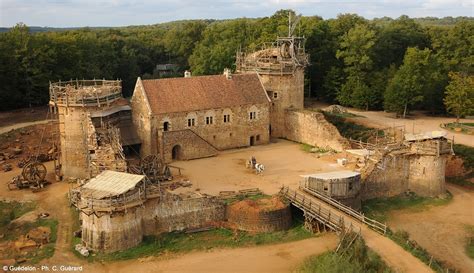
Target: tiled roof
203, 92
110, 183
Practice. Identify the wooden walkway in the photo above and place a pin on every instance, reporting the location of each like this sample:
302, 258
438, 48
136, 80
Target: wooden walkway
337, 217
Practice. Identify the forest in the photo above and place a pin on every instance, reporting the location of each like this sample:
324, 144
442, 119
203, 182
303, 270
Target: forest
388, 64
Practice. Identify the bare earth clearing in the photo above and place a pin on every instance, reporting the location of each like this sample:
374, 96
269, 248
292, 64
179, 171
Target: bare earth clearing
284, 162
441, 229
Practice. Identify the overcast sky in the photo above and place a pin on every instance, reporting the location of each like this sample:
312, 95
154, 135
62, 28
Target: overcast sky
78, 13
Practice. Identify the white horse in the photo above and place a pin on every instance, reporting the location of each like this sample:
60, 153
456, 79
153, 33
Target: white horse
259, 168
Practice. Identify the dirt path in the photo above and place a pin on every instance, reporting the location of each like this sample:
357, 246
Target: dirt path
417, 123
272, 259
441, 230
397, 258
8, 128
52, 200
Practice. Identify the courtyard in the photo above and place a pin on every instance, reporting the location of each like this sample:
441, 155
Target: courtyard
284, 162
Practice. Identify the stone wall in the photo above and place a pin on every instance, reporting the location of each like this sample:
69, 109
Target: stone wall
113, 232
289, 90
191, 145
312, 128
220, 135
143, 121
390, 178
427, 175
174, 215
110, 232
398, 173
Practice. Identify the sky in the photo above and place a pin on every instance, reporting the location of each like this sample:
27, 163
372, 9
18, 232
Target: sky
79, 13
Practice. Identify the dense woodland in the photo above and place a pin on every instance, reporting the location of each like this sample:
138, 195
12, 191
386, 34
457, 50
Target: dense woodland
392, 64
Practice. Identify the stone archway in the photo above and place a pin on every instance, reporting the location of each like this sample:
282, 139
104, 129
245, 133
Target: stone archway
176, 152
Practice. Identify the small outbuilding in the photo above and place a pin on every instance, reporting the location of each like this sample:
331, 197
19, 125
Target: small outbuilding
343, 186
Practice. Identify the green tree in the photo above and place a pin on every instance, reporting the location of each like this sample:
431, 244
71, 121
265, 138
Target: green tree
455, 46
410, 81
356, 50
459, 98
395, 38
220, 42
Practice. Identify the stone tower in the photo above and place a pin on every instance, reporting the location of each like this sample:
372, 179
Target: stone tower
74, 102
281, 69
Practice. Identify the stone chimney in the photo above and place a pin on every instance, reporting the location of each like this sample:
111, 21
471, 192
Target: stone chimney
228, 73
187, 74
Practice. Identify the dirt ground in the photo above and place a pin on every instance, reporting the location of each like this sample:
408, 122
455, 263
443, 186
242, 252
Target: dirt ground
284, 162
23, 115
441, 229
271, 258
417, 122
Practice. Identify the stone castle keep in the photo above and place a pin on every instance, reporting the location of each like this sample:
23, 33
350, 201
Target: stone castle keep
200, 116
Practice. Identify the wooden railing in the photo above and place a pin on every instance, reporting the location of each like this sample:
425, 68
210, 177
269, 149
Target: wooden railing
371, 223
314, 209
326, 216
113, 204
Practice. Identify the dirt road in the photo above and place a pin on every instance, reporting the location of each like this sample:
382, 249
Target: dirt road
272, 259
441, 230
417, 123
394, 255
6, 129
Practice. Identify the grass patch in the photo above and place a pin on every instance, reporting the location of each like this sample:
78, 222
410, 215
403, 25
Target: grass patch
470, 242
357, 259
217, 238
467, 155
76, 225
13, 210
350, 129
379, 208
460, 181
10, 211
313, 149
47, 250
463, 126
402, 238
241, 197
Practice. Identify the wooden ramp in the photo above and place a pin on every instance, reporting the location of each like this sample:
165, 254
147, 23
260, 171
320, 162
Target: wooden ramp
338, 217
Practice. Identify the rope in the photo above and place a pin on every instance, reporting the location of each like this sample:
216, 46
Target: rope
41, 139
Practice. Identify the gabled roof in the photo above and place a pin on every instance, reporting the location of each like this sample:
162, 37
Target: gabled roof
110, 183
203, 92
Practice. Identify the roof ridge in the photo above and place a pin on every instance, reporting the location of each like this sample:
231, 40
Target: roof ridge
199, 76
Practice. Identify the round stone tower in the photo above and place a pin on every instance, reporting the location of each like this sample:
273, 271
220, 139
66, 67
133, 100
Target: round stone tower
73, 101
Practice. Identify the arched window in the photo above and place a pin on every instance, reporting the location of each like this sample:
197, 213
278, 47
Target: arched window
209, 117
227, 116
253, 113
191, 120
166, 124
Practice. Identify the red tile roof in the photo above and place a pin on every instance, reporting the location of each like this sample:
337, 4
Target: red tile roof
203, 92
